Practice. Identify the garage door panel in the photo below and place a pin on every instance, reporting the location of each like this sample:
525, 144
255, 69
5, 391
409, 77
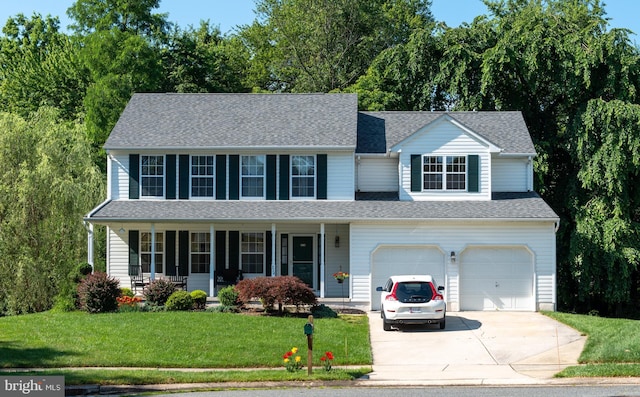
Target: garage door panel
496, 279
389, 261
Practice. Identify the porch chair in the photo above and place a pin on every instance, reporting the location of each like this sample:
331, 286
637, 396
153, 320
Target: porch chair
137, 279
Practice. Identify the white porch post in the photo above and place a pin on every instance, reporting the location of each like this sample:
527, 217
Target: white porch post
212, 260
153, 252
90, 245
321, 248
273, 250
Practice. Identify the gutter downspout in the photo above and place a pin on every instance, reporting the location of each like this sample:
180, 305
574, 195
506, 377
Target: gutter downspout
89, 228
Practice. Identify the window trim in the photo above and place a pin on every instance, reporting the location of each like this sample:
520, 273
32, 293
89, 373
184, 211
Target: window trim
212, 177
192, 252
263, 176
143, 176
314, 176
160, 253
444, 173
263, 252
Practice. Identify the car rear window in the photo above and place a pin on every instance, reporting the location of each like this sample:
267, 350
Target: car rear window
410, 291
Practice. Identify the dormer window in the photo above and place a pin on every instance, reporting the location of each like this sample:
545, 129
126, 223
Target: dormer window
444, 172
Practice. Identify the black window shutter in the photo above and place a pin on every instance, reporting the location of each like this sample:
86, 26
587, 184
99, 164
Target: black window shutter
234, 177
170, 252
284, 244
416, 173
474, 173
271, 177
134, 263
221, 177
221, 240
234, 250
322, 176
284, 177
183, 253
134, 176
268, 253
170, 181
184, 177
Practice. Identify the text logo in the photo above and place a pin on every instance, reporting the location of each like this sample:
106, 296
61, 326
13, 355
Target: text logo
32, 386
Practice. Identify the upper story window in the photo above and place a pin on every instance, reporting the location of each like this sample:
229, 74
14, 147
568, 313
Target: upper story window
152, 176
303, 172
252, 174
444, 172
202, 176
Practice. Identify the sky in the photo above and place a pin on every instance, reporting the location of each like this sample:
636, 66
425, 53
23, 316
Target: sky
228, 14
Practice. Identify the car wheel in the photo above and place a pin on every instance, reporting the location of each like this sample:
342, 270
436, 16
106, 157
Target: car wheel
443, 322
385, 325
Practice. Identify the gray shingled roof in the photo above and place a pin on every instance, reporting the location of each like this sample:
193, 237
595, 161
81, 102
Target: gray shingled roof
161, 121
379, 131
512, 206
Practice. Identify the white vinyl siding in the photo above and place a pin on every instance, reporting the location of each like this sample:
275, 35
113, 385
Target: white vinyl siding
444, 139
377, 174
511, 175
340, 176
119, 177
538, 237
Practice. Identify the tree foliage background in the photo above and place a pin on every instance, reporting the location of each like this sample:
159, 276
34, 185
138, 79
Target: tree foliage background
575, 79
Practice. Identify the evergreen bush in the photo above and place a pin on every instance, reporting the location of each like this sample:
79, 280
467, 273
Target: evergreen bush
179, 300
199, 299
228, 296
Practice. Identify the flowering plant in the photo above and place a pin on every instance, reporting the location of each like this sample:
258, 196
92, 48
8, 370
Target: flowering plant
327, 359
291, 363
128, 300
340, 276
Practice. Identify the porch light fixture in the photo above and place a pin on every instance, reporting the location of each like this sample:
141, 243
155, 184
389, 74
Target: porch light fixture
337, 242
453, 257
121, 231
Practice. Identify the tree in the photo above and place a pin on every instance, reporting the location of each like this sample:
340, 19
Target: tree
605, 246
320, 45
133, 16
48, 184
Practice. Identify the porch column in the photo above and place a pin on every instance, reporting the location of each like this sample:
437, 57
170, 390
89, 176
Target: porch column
212, 260
153, 252
273, 250
90, 245
321, 248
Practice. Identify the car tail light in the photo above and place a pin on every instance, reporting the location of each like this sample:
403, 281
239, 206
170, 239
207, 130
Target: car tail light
392, 296
436, 296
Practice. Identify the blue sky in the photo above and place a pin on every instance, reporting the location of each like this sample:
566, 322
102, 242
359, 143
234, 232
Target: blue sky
230, 13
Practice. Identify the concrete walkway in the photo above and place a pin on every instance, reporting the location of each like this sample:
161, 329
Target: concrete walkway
475, 348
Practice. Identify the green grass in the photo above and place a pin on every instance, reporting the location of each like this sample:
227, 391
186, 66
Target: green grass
612, 348
174, 340
151, 376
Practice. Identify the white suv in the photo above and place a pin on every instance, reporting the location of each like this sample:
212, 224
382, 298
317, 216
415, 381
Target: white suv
415, 299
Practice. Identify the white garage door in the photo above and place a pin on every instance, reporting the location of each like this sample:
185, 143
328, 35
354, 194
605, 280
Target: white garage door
414, 259
496, 279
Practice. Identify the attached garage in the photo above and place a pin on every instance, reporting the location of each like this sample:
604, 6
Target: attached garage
497, 278
388, 261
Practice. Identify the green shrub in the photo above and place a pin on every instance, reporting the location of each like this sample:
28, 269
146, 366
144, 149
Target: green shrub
126, 292
158, 291
98, 293
67, 298
199, 299
228, 296
283, 290
179, 300
323, 311
223, 309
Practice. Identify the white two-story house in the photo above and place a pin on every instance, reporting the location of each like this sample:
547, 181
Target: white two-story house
215, 187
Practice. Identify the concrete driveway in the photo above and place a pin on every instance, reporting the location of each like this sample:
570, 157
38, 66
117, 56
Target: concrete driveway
475, 348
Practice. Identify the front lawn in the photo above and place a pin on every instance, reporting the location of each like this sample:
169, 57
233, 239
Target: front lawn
612, 347
175, 340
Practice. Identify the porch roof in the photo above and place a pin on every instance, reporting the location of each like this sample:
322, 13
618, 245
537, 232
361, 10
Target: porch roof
503, 206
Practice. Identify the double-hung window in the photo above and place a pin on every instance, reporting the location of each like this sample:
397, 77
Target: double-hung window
202, 176
200, 252
252, 252
253, 180
145, 252
152, 176
444, 173
303, 173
